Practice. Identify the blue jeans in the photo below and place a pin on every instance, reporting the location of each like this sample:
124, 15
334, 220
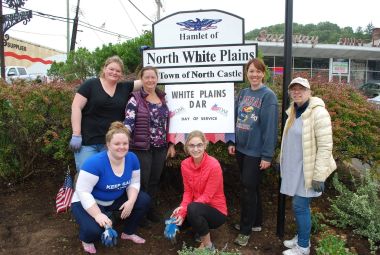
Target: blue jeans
85, 152
89, 229
301, 208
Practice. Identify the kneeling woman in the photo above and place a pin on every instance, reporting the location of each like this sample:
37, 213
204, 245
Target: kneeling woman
109, 181
203, 203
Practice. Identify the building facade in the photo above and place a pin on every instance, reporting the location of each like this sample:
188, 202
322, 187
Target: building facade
36, 58
349, 61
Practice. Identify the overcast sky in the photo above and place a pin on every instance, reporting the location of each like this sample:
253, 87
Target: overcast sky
119, 16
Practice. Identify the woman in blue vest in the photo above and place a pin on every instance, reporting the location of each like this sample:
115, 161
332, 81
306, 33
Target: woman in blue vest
147, 117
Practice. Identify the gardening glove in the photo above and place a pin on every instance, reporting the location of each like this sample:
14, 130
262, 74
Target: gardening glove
109, 237
318, 186
171, 229
75, 143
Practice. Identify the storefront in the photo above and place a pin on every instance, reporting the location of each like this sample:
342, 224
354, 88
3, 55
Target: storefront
354, 64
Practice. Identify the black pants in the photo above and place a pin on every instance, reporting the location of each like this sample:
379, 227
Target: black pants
152, 163
251, 205
203, 217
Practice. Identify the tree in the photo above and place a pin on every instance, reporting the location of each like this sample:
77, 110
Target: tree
82, 63
78, 66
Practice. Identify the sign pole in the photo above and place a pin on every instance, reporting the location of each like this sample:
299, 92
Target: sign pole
285, 102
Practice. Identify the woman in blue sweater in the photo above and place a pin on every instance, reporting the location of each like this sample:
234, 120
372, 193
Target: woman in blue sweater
109, 181
256, 117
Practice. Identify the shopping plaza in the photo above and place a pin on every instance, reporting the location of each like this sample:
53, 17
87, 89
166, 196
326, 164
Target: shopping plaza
349, 61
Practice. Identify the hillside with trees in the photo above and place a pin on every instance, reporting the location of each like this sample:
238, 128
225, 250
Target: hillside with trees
327, 32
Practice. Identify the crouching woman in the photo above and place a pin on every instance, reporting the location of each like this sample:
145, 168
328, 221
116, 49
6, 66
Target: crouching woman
109, 181
203, 203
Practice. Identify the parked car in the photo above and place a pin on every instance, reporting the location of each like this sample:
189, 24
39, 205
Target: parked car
370, 89
375, 101
18, 72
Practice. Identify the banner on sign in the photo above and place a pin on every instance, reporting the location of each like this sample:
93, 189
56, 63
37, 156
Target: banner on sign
205, 107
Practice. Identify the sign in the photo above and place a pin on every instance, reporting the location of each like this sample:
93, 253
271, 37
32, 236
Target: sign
203, 107
200, 74
201, 27
205, 47
200, 56
340, 67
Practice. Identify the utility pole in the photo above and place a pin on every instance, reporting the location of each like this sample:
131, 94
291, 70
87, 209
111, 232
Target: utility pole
75, 29
159, 6
68, 26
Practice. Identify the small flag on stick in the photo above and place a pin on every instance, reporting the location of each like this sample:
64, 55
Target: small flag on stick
65, 193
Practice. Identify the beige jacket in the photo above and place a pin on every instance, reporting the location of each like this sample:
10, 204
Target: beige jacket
317, 142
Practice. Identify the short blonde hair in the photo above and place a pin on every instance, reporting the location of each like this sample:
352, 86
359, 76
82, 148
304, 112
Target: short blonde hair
192, 134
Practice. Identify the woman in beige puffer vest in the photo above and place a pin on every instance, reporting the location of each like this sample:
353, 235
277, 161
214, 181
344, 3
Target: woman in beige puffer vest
306, 158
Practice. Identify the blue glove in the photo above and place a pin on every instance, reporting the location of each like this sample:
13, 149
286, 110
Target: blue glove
109, 237
75, 143
171, 229
318, 186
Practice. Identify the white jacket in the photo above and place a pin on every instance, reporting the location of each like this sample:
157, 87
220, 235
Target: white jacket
317, 142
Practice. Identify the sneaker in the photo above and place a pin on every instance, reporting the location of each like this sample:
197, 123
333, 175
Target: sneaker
242, 240
89, 247
297, 250
134, 238
254, 229
292, 242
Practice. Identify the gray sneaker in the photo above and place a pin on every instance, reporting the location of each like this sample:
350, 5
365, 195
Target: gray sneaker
254, 229
241, 240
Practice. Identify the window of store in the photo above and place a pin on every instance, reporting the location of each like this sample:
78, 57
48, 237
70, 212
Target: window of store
373, 70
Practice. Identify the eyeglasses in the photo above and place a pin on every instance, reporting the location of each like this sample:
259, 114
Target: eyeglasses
193, 146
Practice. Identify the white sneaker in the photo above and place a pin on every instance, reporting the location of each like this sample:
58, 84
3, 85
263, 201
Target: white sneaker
297, 250
291, 243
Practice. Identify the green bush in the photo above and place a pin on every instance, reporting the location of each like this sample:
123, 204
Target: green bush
197, 251
359, 209
332, 244
34, 128
316, 222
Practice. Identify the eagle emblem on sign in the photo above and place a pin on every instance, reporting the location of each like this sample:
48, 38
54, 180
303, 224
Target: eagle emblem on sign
198, 24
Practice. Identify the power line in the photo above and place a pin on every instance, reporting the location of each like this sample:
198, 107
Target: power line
140, 11
125, 10
81, 23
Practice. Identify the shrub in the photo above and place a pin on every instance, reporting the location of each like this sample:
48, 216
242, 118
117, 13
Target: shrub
332, 244
196, 251
359, 209
34, 126
316, 222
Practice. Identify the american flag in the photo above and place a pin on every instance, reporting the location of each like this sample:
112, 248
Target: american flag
65, 193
